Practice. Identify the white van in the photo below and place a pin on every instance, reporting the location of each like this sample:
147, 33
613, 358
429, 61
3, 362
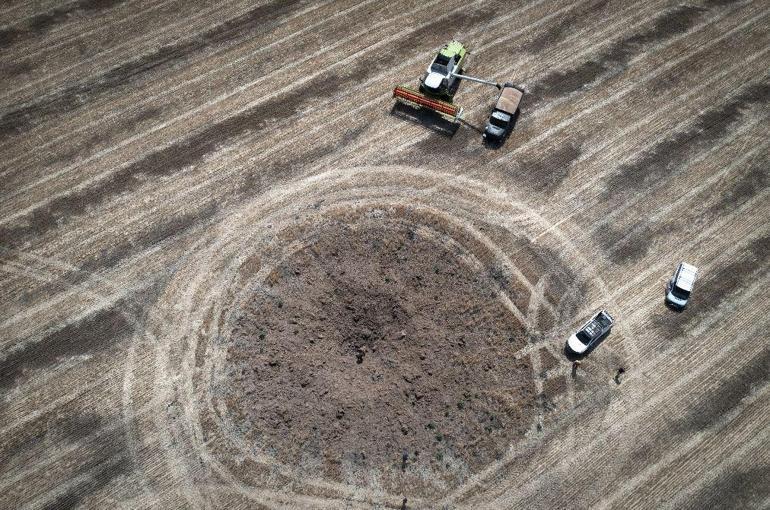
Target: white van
680, 286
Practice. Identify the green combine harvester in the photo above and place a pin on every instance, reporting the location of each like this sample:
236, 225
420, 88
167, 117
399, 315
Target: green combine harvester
440, 82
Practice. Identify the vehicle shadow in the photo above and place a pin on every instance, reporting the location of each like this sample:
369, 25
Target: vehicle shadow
425, 118
672, 307
479, 130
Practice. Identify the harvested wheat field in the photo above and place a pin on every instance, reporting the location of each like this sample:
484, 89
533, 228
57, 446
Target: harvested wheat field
235, 274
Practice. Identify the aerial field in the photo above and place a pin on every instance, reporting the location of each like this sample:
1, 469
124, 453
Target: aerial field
236, 274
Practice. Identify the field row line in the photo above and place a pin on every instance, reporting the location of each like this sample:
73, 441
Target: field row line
630, 88
274, 148
130, 44
226, 95
46, 45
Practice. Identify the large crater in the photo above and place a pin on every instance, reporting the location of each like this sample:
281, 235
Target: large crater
330, 326
381, 345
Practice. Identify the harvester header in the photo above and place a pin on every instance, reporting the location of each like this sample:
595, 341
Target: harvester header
414, 98
440, 83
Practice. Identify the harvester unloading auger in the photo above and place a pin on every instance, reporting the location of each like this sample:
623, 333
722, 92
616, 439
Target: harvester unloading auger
440, 82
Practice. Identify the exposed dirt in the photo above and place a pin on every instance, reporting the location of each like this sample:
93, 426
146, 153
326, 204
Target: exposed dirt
375, 341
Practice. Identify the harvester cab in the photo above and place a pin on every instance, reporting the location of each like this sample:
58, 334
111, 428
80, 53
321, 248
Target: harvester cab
440, 82
441, 78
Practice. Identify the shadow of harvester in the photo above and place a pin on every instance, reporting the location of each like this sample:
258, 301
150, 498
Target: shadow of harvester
426, 118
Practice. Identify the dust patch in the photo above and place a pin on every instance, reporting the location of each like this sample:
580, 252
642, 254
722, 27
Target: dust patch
14, 70
128, 124
734, 488
92, 335
109, 460
51, 430
718, 402
555, 33
167, 161
170, 228
415, 42
743, 189
545, 174
259, 179
104, 455
627, 245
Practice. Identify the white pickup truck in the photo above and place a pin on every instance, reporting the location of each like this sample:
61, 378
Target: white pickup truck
590, 333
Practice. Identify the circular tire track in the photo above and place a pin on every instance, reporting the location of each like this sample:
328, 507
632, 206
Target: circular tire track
204, 334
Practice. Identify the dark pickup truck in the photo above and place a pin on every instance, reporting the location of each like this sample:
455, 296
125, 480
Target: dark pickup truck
501, 119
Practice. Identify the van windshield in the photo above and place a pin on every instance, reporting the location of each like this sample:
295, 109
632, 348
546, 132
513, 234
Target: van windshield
680, 293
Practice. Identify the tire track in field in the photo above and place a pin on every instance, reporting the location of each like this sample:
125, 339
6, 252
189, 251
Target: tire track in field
151, 211
746, 129
639, 368
621, 53
628, 244
590, 183
62, 36
15, 166
646, 119
111, 455
569, 150
649, 78
284, 196
707, 363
